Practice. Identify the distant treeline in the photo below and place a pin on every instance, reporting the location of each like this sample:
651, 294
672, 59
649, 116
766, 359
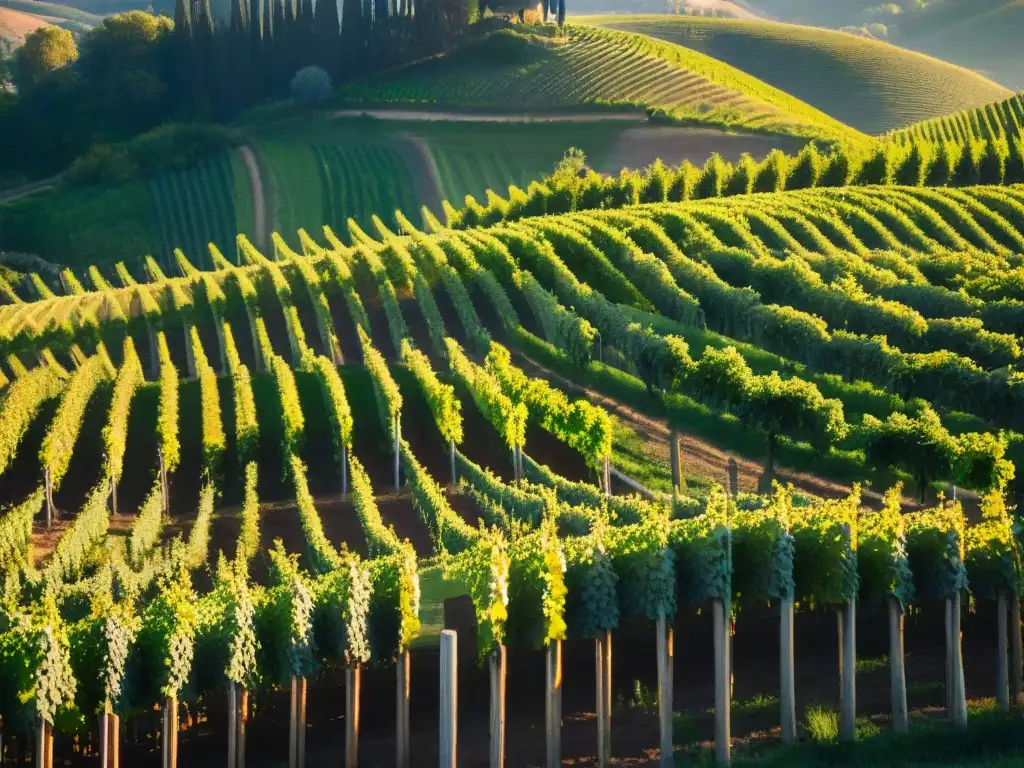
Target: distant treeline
137, 71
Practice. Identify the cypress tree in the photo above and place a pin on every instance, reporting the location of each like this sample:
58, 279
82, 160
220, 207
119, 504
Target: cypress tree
741, 182
968, 172
939, 170
1015, 162
712, 179
806, 171
840, 169
327, 34
911, 171
771, 175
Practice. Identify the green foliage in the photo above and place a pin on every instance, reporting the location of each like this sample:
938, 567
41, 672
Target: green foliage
444, 405
199, 537
338, 410
59, 443
146, 528
323, 557
935, 551
825, 551
385, 390
214, 440
16, 532
115, 433
882, 553
284, 621
507, 418
249, 531
167, 415
22, 401
100, 645
247, 430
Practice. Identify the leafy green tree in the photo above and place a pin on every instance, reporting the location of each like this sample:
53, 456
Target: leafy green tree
840, 169
794, 408
1015, 161
942, 164
919, 444
741, 182
992, 168
806, 171
45, 51
912, 169
879, 166
712, 179
967, 172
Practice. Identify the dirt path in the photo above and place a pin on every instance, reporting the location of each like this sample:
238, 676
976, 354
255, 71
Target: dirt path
259, 201
701, 459
415, 115
429, 190
29, 189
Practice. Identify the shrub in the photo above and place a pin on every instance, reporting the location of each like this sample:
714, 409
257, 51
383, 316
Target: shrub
806, 171
771, 175
839, 170
310, 84
712, 178
822, 725
879, 167
911, 170
992, 168
741, 182
942, 164
967, 172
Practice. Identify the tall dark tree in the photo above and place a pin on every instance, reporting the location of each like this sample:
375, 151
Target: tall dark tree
183, 18
327, 34
561, 12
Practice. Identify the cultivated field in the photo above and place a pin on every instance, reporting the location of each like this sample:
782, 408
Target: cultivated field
869, 85
381, 398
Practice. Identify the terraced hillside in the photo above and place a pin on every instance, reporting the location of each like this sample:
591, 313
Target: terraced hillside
796, 328
594, 69
870, 85
1002, 119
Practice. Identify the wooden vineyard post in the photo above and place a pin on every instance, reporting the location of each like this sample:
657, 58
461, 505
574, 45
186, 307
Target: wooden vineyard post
402, 710
243, 718
293, 722
1015, 651
452, 446
40, 752
190, 357
353, 679
344, 470
959, 694
553, 703
950, 687
723, 731
170, 733
104, 734
664, 694
257, 352
49, 498
848, 724
398, 440
449, 704
787, 676
498, 669
301, 749
218, 326
113, 495
676, 459
897, 671
734, 478
1002, 649
115, 740
603, 668
232, 725
164, 494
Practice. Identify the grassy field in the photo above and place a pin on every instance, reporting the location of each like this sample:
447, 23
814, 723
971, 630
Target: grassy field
326, 170
598, 68
872, 86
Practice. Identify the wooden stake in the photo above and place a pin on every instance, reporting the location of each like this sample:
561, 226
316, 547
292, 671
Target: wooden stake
1015, 651
49, 498
607, 747
723, 735
49, 745
848, 725
344, 470
950, 686
960, 702
664, 694
40, 755
676, 461
174, 732
1002, 648
257, 352
353, 678
115, 740
402, 710
113, 495
608, 475
293, 722
449, 699
104, 734
398, 440
498, 671
601, 701
897, 671
302, 723
163, 481
190, 358
232, 725
243, 718
553, 704
454, 480
787, 677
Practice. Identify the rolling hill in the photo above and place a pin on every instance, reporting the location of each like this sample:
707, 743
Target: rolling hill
870, 85
593, 68
1003, 118
15, 25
